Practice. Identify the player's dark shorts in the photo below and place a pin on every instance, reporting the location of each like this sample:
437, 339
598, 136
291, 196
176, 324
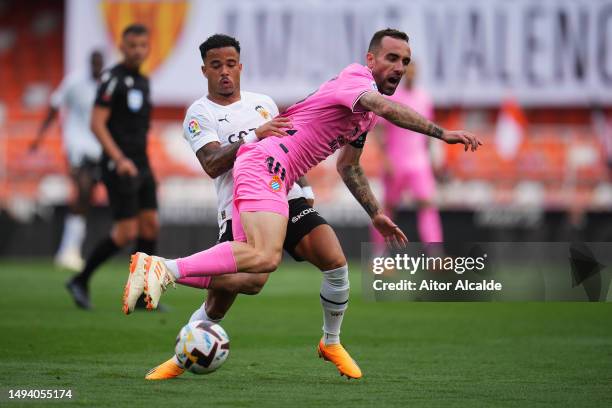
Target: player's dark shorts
128, 196
92, 168
302, 219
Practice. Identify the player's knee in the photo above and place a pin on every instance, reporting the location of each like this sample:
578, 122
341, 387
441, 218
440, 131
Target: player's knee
424, 204
214, 315
125, 233
268, 261
335, 262
150, 229
129, 236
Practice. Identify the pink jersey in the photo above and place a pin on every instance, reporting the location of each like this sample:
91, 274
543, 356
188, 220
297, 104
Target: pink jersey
407, 149
324, 122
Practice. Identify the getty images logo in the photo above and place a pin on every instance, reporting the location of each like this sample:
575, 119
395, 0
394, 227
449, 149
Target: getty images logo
411, 264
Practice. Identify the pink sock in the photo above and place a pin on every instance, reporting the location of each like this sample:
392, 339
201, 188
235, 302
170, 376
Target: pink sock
217, 260
200, 282
429, 226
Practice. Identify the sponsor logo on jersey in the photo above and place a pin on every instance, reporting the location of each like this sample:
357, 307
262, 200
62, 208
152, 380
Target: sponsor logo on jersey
303, 214
276, 184
236, 137
194, 128
263, 112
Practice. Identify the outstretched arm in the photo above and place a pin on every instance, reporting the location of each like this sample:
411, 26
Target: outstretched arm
352, 174
407, 118
51, 115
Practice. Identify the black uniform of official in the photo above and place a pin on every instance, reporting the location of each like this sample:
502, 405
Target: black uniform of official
126, 93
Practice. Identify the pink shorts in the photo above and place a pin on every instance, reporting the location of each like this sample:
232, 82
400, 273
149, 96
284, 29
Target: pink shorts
419, 182
259, 185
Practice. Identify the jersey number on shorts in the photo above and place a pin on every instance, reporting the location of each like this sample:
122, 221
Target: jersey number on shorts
274, 167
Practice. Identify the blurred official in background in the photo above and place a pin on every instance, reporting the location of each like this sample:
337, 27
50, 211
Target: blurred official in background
120, 121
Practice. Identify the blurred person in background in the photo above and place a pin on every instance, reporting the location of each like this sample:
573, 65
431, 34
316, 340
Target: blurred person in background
407, 165
120, 120
75, 97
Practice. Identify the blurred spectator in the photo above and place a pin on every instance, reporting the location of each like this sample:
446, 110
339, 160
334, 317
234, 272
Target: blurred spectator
76, 95
407, 166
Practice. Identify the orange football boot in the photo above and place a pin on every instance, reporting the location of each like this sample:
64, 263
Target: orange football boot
341, 358
165, 371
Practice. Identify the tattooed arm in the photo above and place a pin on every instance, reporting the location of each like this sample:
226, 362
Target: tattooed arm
407, 118
352, 174
216, 160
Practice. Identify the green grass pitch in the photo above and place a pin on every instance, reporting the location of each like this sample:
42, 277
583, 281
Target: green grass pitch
412, 354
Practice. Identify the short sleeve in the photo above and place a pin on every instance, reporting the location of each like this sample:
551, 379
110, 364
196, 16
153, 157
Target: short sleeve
353, 85
199, 128
107, 88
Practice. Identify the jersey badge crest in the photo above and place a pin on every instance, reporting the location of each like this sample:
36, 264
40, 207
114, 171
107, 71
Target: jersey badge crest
263, 112
194, 128
276, 184
134, 99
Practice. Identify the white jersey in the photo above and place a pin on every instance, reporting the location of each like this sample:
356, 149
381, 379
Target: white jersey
75, 96
207, 122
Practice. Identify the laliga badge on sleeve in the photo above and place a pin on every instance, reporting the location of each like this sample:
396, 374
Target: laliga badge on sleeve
194, 128
134, 99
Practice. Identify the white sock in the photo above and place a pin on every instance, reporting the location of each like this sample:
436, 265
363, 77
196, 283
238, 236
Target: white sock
176, 361
200, 314
173, 267
73, 235
334, 299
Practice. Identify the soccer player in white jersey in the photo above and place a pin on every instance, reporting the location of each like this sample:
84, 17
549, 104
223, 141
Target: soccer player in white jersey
215, 126
75, 97
335, 117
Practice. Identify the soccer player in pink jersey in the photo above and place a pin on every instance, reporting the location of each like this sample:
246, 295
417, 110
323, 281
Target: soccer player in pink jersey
215, 126
407, 164
336, 116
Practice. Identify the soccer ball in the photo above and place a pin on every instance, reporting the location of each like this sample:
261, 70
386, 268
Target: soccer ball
202, 347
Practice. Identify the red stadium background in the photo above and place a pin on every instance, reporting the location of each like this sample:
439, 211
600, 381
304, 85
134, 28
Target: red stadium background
554, 185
